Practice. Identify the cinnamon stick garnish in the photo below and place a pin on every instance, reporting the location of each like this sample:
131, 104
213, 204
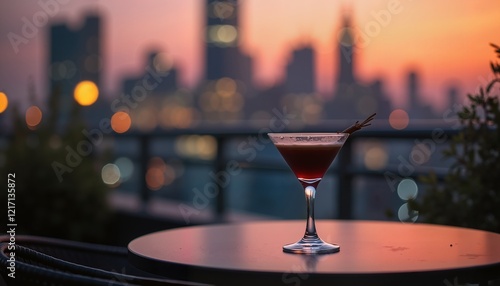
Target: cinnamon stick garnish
357, 126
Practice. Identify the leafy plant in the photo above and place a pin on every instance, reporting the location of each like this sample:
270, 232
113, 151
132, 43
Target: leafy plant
73, 206
470, 194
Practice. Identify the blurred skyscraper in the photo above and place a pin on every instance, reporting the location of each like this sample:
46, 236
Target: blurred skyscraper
346, 57
75, 55
152, 97
228, 72
223, 55
300, 72
158, 72
453, 96
351, 98
416, 108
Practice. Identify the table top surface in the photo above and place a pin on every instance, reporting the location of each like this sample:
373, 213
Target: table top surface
366, 248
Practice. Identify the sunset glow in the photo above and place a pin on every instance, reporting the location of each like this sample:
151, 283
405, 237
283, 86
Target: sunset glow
445, 42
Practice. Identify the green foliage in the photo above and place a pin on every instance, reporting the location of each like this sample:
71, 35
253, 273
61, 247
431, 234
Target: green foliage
72, 208
470, 194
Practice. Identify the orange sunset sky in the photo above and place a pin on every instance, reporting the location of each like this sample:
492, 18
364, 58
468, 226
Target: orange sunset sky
447, 42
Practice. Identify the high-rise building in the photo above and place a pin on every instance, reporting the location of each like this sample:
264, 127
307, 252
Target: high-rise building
228, 72
223, 56
353, 99
413, 91
347, 91
346, 44
417, 109
453, 96
153, 95
159, 74
300, 72
74, 56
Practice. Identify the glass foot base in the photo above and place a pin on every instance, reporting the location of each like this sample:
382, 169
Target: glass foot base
311, 246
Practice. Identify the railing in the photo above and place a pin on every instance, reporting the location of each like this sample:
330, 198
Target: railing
346, 174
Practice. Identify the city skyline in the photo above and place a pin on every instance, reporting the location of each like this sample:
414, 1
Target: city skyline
227, 92
469, 75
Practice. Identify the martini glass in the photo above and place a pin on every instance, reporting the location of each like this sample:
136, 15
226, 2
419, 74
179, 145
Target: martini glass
309, 155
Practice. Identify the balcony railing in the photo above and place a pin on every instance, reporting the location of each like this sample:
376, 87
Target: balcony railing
345, 169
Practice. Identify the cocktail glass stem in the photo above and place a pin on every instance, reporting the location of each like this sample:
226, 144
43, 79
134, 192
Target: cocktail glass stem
310, 243
310, 192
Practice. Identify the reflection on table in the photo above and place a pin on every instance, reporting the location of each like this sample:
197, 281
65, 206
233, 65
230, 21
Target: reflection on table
372, 253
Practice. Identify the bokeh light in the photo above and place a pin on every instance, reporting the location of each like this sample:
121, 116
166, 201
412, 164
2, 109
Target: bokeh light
311, 109
234, 103
176, 116
126, 167
375, 158
120, 122
223, 99
162, 62
399, 119
159, 174
86, 93
33, 116
207, 146
4, 102
225, 86
227, 34
407, 215
196, 146
407, 189
154, 178
224, 35
209, 101
110, 174
222, 10
169, 174
146, 118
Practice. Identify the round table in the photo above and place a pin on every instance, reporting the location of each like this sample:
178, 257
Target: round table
371, 253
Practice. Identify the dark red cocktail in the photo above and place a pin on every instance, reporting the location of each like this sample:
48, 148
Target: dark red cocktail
309, 161
309, 155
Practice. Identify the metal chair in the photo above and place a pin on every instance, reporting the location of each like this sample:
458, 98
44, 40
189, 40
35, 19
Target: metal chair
49, 261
